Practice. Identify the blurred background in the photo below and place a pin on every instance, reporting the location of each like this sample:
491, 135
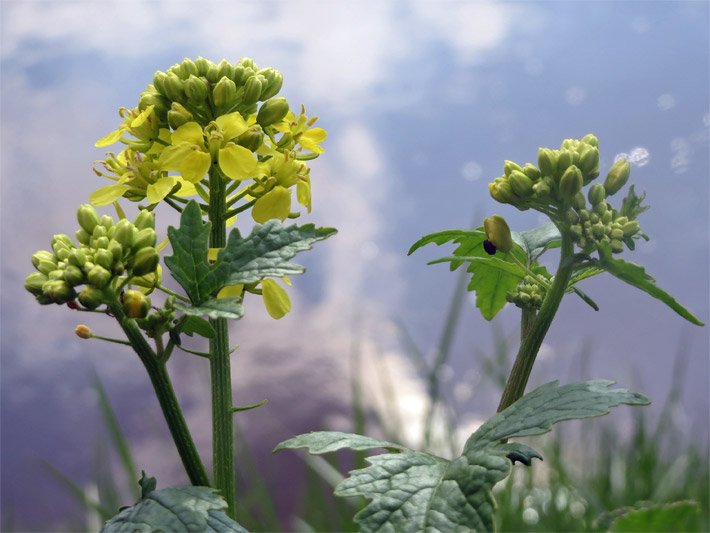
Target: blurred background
423, 101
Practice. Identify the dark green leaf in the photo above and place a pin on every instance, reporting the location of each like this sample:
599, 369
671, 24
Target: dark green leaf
493, 262
215, 308
240, 408
178, 509
676, 516
194, 324
636, 275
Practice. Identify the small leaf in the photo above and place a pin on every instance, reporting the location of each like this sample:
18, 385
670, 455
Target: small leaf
198, 509
319, 442
240, 408
147, 484
636, 275
535, 241
676, 516
194, 324
215, 308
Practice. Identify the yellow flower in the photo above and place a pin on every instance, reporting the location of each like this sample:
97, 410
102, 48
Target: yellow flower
305, 136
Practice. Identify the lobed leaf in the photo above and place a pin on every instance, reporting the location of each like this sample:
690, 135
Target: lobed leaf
318, 442
214, 308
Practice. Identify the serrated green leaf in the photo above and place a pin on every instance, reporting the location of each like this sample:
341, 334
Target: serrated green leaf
535, 241
636, 275
188, 264
507, 267
265, 252
195, 324
416, 491
178, 509
215, 308
676, 516
537, 411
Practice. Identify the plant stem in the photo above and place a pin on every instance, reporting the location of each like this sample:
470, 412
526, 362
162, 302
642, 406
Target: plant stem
537, 326
220, 371
159, 377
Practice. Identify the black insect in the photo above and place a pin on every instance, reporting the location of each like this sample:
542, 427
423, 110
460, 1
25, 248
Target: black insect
489, 247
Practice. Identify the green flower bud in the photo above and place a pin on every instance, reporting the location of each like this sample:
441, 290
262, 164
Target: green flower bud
616, 234
225, 69
598, 230
547, 161
542, 188
202, 65
617, 177
251, 139
593, 218
101, 242
579, 202
106, 221
116, 250
34, 283
571, 216
274, 81
174, 87
597, 194
160, 103
531, 171
621, 220
616, 246
118, 268
510, 166
589, 163
146, 237
188, 68
196, 89
88, 218
42, 255
564, 160
606, 217
91, 297
145, 219
591, 140
631, 228
99, 231
570, 183
82, 236
601, 209
45, 266
73, 275
498, 233
124, 231
224, 93
521, 184
145, 261
98, 276
56, 274
576, 230
212, 73
159, 79
58, 291
272, 111
178, 115
135, 304
103, 258
252, 91
501, 191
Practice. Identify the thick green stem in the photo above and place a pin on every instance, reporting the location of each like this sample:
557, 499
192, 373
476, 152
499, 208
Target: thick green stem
537, 327
220, 369
159, 377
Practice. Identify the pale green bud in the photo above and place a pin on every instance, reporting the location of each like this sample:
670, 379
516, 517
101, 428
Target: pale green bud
88, 218
272, 111
597, 194
617, 177
82, 236
631, 228
42, 255
576, 230
202, 65
274, 81
58, 291
145, 219
145, 261
45, 266
498, 233
564, 160
73, 275
160, 103
616, 234
77, 258
174, 87
251, 139
135, 304
146, 237
501, 191
116, 250
224, 93
118, 268
124, 231
521, 184
103, 258
57, 274
606, 217
188, 68
601, 209
212, 73
101, 242
547, 161
542, 188
34, 283
591, 140
621, 220
510, 166
91, 297
570, 183
598, 230
178, 115
106, 221
159, 82
616, 246
99, 276
196, 89
225, 69
589, 163
531, 171
579, 202
252, 91
99, 231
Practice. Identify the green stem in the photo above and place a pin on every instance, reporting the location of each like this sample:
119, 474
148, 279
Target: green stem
159, 377
537, 327
220, 371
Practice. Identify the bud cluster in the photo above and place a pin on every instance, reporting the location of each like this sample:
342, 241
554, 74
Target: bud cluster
559, 176
106, 251
529, 294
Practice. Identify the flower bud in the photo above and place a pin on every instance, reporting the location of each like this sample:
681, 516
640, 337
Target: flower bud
520, 183
576, 230
498, 233
101, 242
82, 236
174, 87
42, 255
83, 331
564, 160
124, 231
272, 111
178, 115
103, 258
73, 275
98, 276
58, 291
224, 93
202, 65
188, 68
547, 161
531, 171
579, 202
541, 188
159, 82
88, 218
99, 231
597, 194
34, 283
570, 183
106, 221
601, 209
252, 91
274, 81
589, 163
145, 219
591, 140
145, 261
45, 266
510, 166
501, 191
616, 234
225, 69
196, 89
598, 230
606, 217
616, 246
146, 237
212, 73
135, 304
617, 177
631, 228
251, 139
91, 297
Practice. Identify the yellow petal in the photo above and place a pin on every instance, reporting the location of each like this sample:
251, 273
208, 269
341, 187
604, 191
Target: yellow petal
236, 162
190, 132
109, 139
232, 125
303, 193
195, 165
107, 195
312, 138
186, 188
212, 254
231, 291
142, 117
172, 156
275, 298
160, 189
274, 204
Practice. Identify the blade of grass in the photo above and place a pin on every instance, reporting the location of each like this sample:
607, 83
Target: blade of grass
75, 490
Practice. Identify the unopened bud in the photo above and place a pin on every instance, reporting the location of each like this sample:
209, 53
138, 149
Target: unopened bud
178, 115
116, 250
42, 255
542, 188
591, 140
106, 221
146, 237
616, 234
251, 139
521, 184
196, 89
616, 246
498, 233
570, 183
83, 331
579, 202
617, 177
145, 219
73, 275
82, 236
252, 91
564, 160
91, 297
202, 65
547, 161
589, 163
45, 266
135, 304
174, 88
225, 69
224, 93
272, 111
58, 291
274, 81
501, 191
510, 166
597, 194
104, 258
88, 218
159, 82
99, 276
631, 228
145, 261
34, 283
124, 232
531, 171
188, 68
